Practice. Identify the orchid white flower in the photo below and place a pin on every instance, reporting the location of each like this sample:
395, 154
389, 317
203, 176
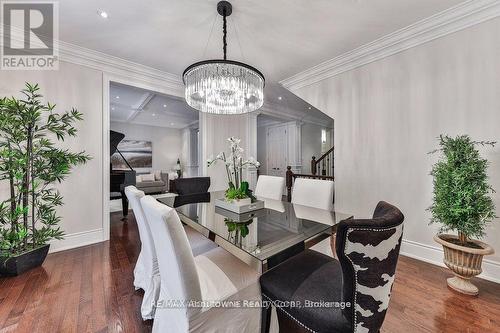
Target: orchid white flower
251, 161
234, 162
234, 140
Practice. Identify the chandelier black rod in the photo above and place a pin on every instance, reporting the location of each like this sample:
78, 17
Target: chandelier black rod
224, 31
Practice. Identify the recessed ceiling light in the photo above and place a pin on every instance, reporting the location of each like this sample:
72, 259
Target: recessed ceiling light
164, 105
171, 124
280, 98
102, 14
117, 97
309, 108
154, 114
113, 109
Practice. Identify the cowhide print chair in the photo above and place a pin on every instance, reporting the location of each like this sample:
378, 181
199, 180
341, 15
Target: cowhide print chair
368, 251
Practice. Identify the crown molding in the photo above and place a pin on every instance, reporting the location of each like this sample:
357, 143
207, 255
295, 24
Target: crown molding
454, 19
121, 67
287, 114
109, 64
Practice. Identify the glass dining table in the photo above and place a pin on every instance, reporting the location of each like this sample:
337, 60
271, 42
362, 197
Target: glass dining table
262, 238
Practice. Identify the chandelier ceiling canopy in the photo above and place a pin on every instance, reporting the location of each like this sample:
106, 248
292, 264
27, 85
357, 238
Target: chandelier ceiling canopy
223, 86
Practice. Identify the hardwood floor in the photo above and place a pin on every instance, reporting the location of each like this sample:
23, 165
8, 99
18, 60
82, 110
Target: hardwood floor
90, 290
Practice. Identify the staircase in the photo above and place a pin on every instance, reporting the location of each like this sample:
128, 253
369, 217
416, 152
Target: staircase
323, 166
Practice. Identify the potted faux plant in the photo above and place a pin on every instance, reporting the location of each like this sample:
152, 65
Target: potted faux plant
238, 192
462, 203
31, 163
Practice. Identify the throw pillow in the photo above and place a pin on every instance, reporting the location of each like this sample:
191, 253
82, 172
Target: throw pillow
157, 175
148, 177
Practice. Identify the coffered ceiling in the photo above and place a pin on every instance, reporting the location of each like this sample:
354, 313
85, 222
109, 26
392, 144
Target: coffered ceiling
139, 106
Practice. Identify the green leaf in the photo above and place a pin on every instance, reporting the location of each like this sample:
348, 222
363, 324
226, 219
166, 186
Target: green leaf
462, 195
31, 162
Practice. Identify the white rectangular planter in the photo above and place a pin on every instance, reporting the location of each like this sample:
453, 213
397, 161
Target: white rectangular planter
240, 217
239, 206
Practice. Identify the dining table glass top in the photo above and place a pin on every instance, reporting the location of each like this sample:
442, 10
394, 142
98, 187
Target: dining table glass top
262, 233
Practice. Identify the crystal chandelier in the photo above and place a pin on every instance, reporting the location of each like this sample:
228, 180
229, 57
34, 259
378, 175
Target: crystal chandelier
223, 86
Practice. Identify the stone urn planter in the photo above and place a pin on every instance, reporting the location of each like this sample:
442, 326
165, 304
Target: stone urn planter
463, 261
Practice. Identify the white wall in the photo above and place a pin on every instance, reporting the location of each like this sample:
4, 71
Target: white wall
388, 115
214, 131
167, 142
79, 87
190, 153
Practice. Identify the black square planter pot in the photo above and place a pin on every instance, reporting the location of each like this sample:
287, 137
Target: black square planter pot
17, 265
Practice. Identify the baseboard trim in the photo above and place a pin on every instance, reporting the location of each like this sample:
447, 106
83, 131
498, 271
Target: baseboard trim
78, 239
434, 255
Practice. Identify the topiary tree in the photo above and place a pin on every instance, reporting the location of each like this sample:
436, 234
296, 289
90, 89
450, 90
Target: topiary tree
462, 200
31, 163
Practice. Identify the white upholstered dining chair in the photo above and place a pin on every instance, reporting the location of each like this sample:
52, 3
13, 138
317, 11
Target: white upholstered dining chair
146, 273
270, 187
315, 193
213, 276
318, 194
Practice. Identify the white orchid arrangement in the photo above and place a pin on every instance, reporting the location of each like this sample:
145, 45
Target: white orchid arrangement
234, 163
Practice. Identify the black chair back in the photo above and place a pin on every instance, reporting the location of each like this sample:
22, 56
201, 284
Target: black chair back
368, 251
193, 185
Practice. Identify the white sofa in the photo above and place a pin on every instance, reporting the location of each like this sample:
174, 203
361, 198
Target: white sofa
156, 182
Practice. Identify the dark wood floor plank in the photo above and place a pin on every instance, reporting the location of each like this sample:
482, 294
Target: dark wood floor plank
70, 321
9, 301
56, 296
34, 306
98, 304
85, 304
90, 289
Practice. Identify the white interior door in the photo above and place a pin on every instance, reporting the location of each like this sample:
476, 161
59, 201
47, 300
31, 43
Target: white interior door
276, 151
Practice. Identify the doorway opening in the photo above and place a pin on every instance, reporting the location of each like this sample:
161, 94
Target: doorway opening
153, 141
283, 143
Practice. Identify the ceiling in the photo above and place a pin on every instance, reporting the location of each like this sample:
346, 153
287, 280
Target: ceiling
139, 106
279, 37
143, 107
